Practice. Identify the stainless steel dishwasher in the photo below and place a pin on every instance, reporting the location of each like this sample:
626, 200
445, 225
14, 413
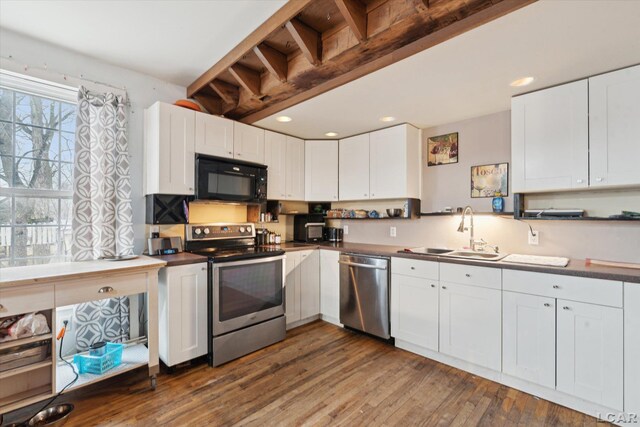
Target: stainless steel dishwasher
364, 293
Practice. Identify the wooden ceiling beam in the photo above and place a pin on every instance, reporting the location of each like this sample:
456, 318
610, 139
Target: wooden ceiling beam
273, 60
228, 92
355, 14
248, 78
307, 39
275, 22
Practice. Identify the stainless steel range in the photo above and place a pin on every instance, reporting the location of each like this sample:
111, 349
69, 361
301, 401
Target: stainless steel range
245, 289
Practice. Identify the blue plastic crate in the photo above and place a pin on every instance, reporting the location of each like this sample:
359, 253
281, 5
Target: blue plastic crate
100, 364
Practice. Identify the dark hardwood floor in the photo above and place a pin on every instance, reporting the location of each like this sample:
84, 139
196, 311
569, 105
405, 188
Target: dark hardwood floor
320, 375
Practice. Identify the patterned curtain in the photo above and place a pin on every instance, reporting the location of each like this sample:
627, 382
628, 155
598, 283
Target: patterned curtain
102, 214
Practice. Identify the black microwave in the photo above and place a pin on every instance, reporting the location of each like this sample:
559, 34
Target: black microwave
230, 180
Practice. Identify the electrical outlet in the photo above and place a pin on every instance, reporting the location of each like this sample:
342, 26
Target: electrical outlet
392, 231
534, 236
345, 230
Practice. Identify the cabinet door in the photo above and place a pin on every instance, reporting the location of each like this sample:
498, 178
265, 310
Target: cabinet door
354, 168
183, 313
471, 324
309, 284
614, 128
529, 338
169, 149
292, 288
590, 352
248, 143
414, 310
214, 135
330, 286
294, 174
550, 139
275, 148
632, 347
394, 163
321, 171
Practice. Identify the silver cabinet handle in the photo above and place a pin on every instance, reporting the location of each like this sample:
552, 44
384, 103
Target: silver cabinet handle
365, 194
556, 287
372, 194
190, 188
106, 290
353, 264
546, 304
468, 275
204, 268
433, 286
413, 268
238, 154
566, 307
230, 152
444, 287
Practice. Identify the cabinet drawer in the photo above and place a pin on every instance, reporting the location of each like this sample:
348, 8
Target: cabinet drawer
582, 289
414, 268
25, 299
78, 291
485, 277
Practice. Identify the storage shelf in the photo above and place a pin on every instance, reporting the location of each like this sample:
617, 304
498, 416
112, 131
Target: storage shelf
21, 341
133, 357
369, 219
456, 213
25, 398
27, 368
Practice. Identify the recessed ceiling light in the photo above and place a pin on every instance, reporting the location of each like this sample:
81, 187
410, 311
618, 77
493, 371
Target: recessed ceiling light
522, 82
387, 119
331, 134
284, 119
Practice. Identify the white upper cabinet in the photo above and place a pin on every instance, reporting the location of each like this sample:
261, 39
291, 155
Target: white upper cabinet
590, 352
321, 170
354, 167
550, 139
275, 149
214, 135
614, 128
394, 162
294, 169
248, 143
169, 149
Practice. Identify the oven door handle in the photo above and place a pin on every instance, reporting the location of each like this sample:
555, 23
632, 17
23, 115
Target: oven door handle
310, 224
353, 264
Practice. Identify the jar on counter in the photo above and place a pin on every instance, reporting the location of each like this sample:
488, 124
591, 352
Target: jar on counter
278, 239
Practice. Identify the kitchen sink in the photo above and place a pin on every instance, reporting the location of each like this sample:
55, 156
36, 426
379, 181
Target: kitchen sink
485, 256
428, 251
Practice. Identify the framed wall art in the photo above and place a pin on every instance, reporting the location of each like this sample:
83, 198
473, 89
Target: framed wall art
442, 149
487, 180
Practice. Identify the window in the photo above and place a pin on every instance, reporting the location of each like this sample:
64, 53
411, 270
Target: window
37, 138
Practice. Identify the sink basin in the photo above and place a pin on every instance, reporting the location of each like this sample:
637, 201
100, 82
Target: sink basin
429, 251
485, 256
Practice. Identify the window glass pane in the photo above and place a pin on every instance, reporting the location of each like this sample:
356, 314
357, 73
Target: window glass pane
6, 171
35, 241
34, 173
36, 211
37, 142
67, 146
37, 111
5, 210
66, 176
6, 104
6, 138
66, 212
65, 240
5, 243
68, 117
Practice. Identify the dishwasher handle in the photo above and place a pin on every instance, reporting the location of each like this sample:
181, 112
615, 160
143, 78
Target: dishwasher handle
353, 264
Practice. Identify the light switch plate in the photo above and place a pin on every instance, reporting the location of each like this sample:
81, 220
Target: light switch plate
534, 237
392, 231
345, 230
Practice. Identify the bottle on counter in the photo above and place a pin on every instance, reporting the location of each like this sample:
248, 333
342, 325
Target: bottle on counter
278, 239
498, 202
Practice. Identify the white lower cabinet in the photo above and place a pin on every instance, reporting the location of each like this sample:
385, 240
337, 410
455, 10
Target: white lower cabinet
302, 286
632, 347
471, 324
330, 286
529, 338
414, 310
589, 356
182, 293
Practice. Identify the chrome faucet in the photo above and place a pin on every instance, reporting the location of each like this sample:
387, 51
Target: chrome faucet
474, 245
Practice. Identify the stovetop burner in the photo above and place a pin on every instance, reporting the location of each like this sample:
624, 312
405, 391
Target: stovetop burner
239, 253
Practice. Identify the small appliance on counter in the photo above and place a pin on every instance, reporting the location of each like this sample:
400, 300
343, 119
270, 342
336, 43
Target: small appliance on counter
308, 227
164, 245
333, 234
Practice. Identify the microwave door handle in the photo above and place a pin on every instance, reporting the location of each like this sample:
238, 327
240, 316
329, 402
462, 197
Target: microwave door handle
313, 223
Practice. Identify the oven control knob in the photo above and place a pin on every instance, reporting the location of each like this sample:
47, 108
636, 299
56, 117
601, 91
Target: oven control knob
249, 229
206, 231
242, 229
197, 231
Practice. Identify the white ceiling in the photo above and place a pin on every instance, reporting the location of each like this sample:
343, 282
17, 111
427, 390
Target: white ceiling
468, 76
173, 40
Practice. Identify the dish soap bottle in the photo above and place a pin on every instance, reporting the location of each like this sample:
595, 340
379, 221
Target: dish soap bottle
498, 202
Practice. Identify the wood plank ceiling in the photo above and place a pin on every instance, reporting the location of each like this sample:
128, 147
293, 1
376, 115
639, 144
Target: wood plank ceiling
309, 47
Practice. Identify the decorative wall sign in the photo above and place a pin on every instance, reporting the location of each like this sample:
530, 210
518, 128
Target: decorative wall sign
442, 150
487, 180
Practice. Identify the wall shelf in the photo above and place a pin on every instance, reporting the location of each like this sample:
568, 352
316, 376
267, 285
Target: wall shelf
366, 219
456, 213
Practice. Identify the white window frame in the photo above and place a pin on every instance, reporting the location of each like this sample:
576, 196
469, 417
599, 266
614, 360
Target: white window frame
46, 89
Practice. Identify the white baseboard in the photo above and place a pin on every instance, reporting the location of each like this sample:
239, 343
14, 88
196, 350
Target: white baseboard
302, 322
